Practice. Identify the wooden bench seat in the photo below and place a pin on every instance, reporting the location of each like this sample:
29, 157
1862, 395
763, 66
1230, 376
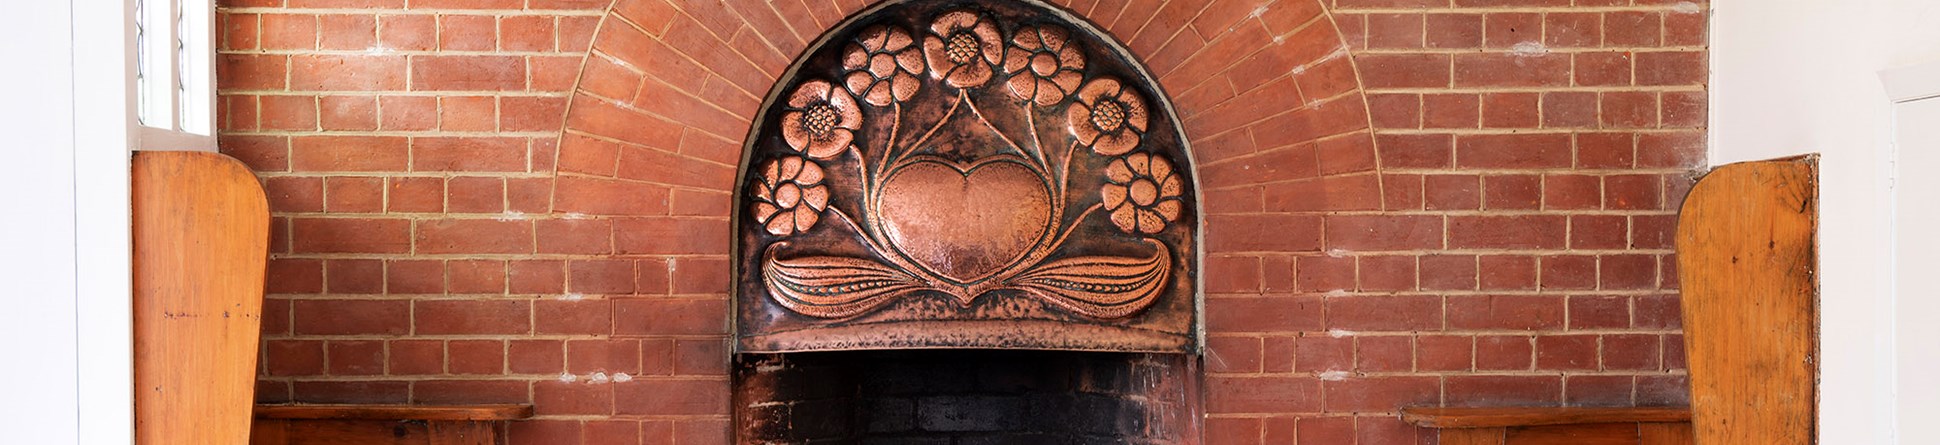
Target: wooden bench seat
382, 424
1556, 426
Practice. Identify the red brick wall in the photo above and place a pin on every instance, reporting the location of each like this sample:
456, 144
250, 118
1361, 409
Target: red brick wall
1494, 232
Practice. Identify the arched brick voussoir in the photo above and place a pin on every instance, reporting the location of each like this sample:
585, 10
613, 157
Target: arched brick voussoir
1264, 88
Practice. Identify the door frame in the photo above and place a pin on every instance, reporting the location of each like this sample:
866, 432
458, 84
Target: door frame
1905, 85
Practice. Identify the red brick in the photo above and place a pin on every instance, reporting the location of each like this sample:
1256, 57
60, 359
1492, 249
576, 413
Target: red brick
298, 113
1492, 390
1632, 192
1511, 110
1599, 390
457, 392
1384, 354
1394, 30
1659, 312
1573, 30
1451, 110
462, 317
350, 235
1374, 233
535, 356
607, 355
1448, 272
1246, 233
1603, 69
601, 276
1321, 354
670, 316
1631, 352
344, 72
352, 194
1594, 232
348, 153
609, 197
1671, 68
701, 357
1566, 352
474, 236
1684, 109
361, 391
1569, 272
1506, 312
1503, 353
416, 357
1452, 192
1384, 313
573, 316
294, 276
1511, 70
574, 398
1381, 394
1444, 353
532, 113
408, 32
1393, 110
1233, 354
495, 154
1632, 28
1325, 274
350, 32
1403, 70
251, 72
1512, 192
1507, 29
416, 195
1454, 31
1263, 314
1572, 192
347, 113
414, 277
351, 317
1606, 150
1628, 272
1569, 109
1514, 151
1530, 231
408, 113
474, 194
467, 113
670, 397
1325, 430
354, 276
536, 277
477, 357
1227, 395
1395, 273
467, 73
1507, 272
293, 357
467, 32
1629, 109
1416, 151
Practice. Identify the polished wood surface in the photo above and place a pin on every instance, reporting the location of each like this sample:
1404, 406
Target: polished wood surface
1501, 417
201, 244
395, 412
383, 424
1747, 260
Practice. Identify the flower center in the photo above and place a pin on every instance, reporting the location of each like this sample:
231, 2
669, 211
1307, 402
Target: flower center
962, 48
820, 120
1108, 115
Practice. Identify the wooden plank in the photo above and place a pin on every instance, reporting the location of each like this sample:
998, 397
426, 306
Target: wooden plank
357, 432
1747, 259
1581, 434
463, 433
395, 412
1665, 434
201, 244
1495, 417
1472, 436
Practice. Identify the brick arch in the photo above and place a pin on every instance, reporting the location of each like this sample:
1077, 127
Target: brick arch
1268, 96
1266, 91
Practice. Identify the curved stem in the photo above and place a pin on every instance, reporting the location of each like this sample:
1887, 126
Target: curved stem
933, 128
1037, 141
895, 258
1037, 255
1064, 168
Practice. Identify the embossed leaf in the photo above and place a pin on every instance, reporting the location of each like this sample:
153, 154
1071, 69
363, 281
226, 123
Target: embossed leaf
834, 287
1101, 286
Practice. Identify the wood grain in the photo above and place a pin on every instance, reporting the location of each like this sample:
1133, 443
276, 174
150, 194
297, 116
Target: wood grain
1475, 436
1747, 258
1579, 434
395, 412
1665, 434
1500, 417
201, 244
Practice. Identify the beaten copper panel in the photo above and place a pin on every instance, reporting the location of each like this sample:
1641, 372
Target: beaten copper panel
955, 174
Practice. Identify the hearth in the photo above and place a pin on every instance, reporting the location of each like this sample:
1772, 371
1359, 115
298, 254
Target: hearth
967, 222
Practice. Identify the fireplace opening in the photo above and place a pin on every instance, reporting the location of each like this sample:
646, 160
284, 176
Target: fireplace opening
967, 222
966, 397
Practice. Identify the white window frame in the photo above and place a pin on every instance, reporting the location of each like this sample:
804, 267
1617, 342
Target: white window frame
1909, 335
175, 81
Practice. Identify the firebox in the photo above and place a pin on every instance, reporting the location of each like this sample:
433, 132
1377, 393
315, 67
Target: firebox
967, 220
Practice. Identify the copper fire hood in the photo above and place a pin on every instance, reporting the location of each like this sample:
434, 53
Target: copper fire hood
954, 174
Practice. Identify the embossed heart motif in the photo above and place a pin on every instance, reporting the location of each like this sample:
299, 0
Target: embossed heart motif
964, 224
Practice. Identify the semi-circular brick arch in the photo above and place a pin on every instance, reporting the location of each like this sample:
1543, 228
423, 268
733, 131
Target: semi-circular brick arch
1268, 94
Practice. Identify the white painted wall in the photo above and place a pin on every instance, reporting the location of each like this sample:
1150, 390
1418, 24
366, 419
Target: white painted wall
37, 259
1802, 76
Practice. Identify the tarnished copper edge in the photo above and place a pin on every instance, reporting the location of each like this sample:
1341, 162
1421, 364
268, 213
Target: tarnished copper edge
913, 335
1163, 100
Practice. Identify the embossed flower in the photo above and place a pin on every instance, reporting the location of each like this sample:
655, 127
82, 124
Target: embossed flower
1108, 117
1043, 65
820, 121
1142, 193
883, 64
789, 196
962, 48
